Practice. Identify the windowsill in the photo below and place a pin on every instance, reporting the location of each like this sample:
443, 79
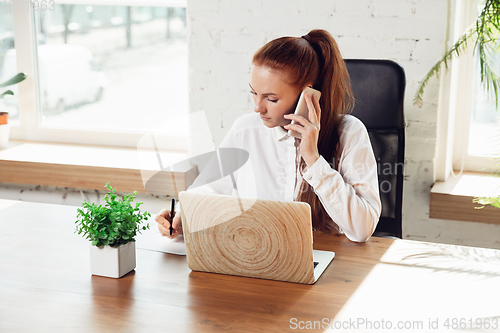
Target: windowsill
452, 199
90, 167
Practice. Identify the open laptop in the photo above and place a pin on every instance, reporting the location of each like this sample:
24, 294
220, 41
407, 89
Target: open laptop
251, 237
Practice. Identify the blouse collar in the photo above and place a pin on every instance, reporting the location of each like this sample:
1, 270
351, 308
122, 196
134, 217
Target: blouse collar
281, 134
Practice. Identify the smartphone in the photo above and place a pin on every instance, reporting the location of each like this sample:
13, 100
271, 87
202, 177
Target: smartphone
302, 109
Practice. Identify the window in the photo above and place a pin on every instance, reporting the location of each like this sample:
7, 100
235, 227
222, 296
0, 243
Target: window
6, 44
484, 128
102, 74
468, 127
480, 128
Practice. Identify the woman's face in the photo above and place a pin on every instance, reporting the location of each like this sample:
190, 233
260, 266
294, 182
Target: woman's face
273, 96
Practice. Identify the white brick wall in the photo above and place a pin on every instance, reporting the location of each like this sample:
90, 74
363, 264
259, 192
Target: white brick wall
226, 33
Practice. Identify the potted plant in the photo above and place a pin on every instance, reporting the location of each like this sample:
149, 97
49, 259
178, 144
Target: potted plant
4, 125
111, 228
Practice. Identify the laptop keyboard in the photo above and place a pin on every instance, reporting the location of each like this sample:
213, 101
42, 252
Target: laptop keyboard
315, 264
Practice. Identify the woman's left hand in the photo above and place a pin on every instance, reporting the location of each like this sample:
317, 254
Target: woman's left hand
309, 129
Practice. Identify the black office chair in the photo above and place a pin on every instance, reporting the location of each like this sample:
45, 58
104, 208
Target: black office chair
378, 87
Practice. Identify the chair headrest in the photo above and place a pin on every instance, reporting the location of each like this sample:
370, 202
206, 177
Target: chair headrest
378, 87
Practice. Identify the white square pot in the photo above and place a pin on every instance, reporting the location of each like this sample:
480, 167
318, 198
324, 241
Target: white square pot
4, 135
112, 262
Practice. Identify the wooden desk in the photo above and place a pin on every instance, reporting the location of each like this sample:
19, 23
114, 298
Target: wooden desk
45, 286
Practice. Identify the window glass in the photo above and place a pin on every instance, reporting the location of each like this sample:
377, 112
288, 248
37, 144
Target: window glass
111, 68
8, 67
484, 130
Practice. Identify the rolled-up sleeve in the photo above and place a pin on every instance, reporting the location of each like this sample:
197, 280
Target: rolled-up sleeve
350, 195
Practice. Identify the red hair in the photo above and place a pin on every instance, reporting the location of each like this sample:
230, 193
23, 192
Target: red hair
317, 61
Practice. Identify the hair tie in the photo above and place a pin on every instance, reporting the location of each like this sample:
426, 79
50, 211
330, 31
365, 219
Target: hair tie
308, 38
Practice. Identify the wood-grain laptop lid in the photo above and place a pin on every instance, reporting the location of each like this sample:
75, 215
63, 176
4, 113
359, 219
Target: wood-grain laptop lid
248, 237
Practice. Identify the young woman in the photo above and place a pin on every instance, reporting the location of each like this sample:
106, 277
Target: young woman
332, 167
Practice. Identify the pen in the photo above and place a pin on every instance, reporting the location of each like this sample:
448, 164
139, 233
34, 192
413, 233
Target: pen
172, 213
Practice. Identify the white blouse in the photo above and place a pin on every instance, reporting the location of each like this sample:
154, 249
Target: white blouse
350, 196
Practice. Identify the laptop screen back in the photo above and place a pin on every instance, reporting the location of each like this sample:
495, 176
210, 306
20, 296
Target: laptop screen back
248, 237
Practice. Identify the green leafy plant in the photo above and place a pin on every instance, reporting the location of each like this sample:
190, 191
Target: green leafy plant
484, 33
491, 200
14, 80
115, 223
494, 201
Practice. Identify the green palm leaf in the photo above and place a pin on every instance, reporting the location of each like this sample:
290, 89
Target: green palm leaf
5, 93
13, 80
484, 33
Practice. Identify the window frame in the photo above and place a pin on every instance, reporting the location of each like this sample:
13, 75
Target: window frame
29, 127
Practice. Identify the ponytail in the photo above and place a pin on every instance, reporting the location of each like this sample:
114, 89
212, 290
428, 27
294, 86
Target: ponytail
315, 58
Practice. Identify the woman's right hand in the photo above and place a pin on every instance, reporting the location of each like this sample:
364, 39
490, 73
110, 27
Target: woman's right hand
163, 220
